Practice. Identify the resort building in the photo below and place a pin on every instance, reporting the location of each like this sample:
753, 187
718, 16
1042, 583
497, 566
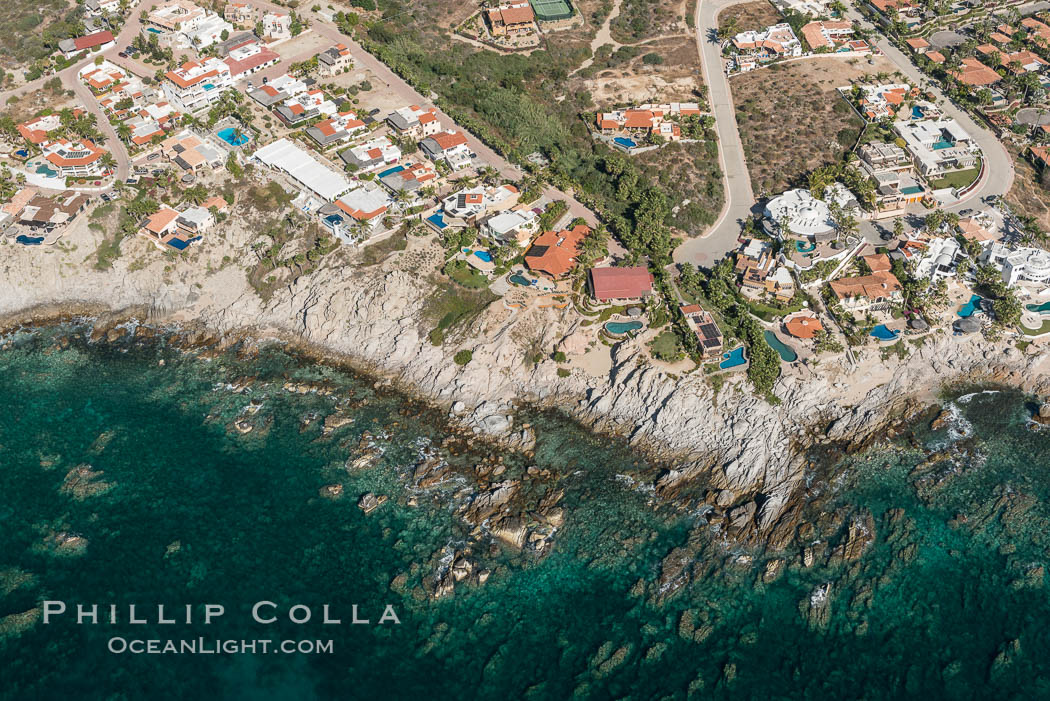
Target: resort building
207, 32
1024, 264
448, 146
777, 41
279, 89
334, 60
178, 16
239, 13
804, 216
620, 285
553, 253
647, 119
867, 292
365, 205
829, 35
415, 122
190, 152
196, 85
277, 25
50, 212
409, 179
516, 225
36, 131
99, 41
937, 146
195, 221
939, 259
707, 332
974, 73
284, 156
305, 106
512, 19
74, 159
249, 57
340, 127
468, 207
373, 154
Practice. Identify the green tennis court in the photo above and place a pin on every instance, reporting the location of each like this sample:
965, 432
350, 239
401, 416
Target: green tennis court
551, 10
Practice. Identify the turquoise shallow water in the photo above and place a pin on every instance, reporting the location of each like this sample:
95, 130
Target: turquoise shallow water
947, 602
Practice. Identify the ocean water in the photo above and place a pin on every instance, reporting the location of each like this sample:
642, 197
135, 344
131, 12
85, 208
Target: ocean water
128, 478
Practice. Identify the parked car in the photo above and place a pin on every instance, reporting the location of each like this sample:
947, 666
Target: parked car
152, 156
123, 54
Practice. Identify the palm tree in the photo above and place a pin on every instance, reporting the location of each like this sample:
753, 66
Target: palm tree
108, 161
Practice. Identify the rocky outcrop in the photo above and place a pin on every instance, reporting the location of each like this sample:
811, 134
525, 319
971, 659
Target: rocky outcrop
734, 443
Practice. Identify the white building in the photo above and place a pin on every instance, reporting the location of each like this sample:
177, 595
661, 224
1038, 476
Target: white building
518, 225
805, 216
206, 32
777, 41
285, 156
277, 25
939, 259
196, 85
1020, 264
74, 159
938, 146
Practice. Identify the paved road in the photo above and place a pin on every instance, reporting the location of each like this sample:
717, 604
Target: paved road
998, 164
739, 197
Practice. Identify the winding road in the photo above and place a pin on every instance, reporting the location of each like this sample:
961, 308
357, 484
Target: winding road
721, 238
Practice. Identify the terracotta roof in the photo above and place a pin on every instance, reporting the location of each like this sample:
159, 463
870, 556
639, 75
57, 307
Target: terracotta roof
554, 252
936, 56
871, 286
878, 262
620, 283
918, 43
803, 326
446, 140
638, 119
973, 72
159, 221
90, 41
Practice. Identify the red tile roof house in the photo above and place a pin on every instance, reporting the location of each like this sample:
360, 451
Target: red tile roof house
35, 131
620, 284
553, 253
99, 41
74, 159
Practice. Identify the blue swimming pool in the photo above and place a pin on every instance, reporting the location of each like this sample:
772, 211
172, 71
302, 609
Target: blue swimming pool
484, 255
618, 328
153, 30
391, 171
438, 220
180, 245
29, 240
624, 141
884, 334
231, 136
911, 190
733, 359
970, 307
22, 153
917, 113
44, 170
520, 280
783, 350
1043, 308
942, 144
805, 246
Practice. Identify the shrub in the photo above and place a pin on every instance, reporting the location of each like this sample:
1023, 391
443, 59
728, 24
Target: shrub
652, 59
463, 357
559, 357
563, 372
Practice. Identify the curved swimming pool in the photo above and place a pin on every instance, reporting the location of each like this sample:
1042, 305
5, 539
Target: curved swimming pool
784, 351
882, 333
733, 359
619, 328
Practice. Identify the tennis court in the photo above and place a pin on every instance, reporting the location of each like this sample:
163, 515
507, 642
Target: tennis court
551, 10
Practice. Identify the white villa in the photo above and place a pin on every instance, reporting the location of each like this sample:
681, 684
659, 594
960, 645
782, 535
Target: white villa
805, 216
938, 146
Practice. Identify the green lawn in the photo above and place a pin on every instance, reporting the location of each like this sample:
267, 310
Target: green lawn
665, 346
1044, 328
957, 179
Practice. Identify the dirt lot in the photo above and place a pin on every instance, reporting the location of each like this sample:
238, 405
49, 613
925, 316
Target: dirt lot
628, 77
751, 15
30, 104
692, 172
792, 119
1028, 196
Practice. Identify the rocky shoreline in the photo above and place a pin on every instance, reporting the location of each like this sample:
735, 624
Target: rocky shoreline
369, 320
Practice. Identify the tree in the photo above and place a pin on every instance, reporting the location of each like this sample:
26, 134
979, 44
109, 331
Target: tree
463, 357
